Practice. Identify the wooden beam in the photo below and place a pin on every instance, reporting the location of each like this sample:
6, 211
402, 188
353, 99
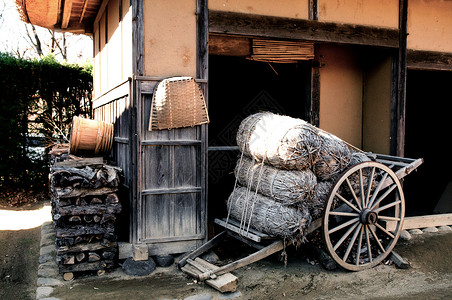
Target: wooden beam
422, 222
287, 28
85, 5
229, 45
429, 60
66, 14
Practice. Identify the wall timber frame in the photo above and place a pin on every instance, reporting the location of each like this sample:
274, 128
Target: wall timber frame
429, 60
165, 171
241, 24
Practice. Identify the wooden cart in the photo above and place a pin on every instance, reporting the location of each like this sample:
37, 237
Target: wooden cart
364, 200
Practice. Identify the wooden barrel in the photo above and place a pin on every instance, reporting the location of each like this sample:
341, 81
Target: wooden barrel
90, 136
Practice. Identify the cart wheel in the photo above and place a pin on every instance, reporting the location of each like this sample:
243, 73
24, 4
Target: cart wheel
363, 216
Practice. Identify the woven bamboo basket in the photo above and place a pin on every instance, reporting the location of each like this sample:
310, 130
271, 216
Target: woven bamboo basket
177, 102
90, 136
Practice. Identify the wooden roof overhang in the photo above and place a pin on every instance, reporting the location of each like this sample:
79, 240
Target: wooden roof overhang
65, 15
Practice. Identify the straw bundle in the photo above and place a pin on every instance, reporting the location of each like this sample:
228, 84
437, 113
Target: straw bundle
281, 141
286, 187
319, 199
265, 215
356, 158
333, 158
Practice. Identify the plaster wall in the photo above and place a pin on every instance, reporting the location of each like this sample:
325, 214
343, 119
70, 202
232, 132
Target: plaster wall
282, 8
430, 25
377, 104
341, 79
112, 38
380, 13
170, 38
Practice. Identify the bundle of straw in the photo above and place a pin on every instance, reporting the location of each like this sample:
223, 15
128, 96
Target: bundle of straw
266, 215
333, 157
280, 141
356, 158
321, 193
286, 187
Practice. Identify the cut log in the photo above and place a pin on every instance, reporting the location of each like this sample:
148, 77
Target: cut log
92, 257
79, 230
82, 162
109, 255
86, 266
96, 200
69, 192
72, 210
80, 256
97, 218
75, 219
68, 259
86, 247
68, 276
78, 240
88, 218
86, 172
108, 218
80, 202
112, 199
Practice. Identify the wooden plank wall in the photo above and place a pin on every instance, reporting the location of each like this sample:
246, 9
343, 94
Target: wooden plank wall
118, 113
170, 208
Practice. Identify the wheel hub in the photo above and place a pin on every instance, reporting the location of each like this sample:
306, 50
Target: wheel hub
368, 217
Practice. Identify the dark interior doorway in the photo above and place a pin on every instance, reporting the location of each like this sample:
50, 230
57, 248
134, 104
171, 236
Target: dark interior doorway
237, 88
428, 128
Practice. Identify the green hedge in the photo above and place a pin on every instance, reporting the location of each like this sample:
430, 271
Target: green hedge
37, 98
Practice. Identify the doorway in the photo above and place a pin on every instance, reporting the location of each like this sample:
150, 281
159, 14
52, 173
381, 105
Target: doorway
239, 87
428, 127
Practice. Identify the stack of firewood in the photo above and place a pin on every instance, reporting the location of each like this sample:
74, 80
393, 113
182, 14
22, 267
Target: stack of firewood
84, 208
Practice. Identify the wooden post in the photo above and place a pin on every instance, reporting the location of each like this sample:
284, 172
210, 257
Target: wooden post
313, 106
314, 10
202, 49
399, 107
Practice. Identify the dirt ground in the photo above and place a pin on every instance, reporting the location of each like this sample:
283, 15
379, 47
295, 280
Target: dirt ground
430, 276
19, 254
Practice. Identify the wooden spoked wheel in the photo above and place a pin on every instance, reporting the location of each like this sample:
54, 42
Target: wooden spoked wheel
364, 215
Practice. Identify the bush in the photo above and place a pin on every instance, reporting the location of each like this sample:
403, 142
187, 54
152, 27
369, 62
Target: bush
38, 99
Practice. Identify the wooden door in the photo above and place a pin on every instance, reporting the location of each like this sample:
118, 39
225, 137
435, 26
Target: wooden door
171, 208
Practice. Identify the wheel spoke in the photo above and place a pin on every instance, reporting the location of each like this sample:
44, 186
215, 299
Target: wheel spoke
358, 250
347, 202
352, 242
369, 186
388, 218
354, 220
383, 196
384, 230
376, 238
344, 214
369, 250
353, 193
349, 231
377, 190
361, 187
387, 206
